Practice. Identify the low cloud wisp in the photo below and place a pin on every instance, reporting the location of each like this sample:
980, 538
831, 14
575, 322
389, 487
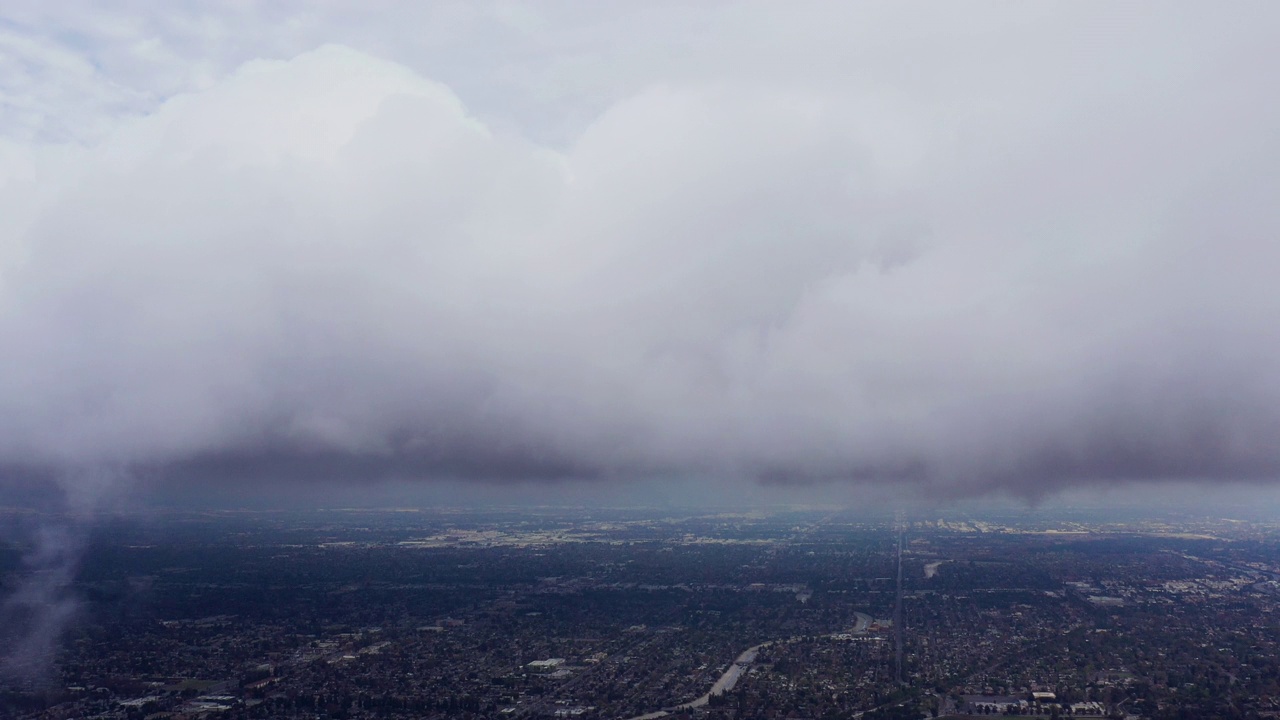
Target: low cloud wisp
38, 610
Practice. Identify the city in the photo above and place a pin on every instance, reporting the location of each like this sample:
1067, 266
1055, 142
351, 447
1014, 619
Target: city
543, 613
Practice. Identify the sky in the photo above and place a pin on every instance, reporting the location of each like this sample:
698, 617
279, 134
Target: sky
744, 250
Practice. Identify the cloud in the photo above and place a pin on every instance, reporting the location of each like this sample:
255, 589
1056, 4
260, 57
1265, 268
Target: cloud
330, 267
41, 605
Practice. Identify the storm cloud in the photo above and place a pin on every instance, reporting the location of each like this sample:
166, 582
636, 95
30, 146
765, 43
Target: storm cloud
1018, 254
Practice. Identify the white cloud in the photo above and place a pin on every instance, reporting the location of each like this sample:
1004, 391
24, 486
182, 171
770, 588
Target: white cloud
1013, 250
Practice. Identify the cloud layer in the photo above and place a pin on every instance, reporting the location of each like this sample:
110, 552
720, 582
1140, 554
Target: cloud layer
328, 267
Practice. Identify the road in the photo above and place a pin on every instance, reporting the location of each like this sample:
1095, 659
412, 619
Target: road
864, 621
739, 666
726, 682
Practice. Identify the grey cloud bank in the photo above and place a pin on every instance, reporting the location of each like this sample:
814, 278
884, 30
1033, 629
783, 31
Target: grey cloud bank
1038, 253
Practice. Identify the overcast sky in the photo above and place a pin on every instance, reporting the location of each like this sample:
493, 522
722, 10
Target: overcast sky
943, 249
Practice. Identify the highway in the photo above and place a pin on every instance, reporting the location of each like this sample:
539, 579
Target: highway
739, 666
